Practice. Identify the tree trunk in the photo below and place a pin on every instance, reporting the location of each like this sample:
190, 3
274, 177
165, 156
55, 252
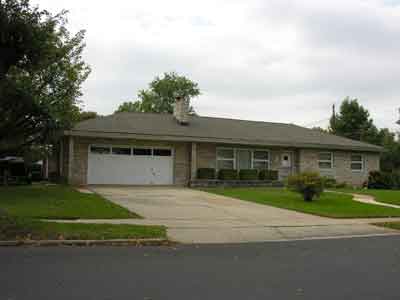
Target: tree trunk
308, 196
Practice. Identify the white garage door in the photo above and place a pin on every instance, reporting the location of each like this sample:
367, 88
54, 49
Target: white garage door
129, 165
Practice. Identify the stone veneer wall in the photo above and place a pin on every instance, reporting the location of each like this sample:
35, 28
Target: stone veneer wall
341, 171
81, 147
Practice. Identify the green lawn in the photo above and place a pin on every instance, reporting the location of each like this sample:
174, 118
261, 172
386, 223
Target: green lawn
21, 207
58, 202
12, 228
329, 204
392, 225
386, 196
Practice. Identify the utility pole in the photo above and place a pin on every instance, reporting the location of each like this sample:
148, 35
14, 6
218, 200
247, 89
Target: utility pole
333, 116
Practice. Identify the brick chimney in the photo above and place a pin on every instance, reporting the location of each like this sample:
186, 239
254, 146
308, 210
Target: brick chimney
181, 110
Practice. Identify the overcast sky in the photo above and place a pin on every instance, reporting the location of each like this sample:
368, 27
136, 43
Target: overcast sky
282, 61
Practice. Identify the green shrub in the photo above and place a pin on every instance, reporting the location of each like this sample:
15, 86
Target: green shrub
395, 180
308, 184
383, 180
249, 174
341, 185
227, 174
380, 180
268, 175
329, 182
206, 173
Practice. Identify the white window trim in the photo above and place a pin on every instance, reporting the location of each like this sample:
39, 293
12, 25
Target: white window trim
118, 146
142, 147
162, 148
290, 153
225, 159
131, 147
260, 160
325, 160
251, 156
99, 145
357, 162
252, 160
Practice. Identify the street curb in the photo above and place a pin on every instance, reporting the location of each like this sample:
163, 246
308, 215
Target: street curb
112, 242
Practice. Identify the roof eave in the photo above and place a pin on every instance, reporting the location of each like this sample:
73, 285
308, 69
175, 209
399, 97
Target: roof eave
174, 138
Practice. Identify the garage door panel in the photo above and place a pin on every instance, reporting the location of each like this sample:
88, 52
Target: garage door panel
129, 169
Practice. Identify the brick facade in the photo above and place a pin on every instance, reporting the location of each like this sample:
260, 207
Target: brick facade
206, 157
79, 168
301, 159
341, 170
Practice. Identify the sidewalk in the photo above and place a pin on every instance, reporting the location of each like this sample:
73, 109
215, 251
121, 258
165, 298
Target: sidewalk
193, 216
233, 231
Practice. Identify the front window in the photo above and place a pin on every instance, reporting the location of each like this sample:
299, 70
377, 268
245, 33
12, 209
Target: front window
243, 159
357, 162
260, 159
325, 160
225, 158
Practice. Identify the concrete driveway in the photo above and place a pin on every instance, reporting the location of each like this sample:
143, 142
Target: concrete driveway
194, 216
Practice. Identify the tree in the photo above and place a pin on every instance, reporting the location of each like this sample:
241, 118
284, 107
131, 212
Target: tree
129, 107
41, 72
354, 122
390, 159
86, 115
320, 129
161, 94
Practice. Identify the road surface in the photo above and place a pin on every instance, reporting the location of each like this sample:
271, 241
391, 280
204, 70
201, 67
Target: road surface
357, 268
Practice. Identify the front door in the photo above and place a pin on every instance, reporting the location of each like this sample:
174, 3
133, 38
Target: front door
286, 161
286, 165
243, 159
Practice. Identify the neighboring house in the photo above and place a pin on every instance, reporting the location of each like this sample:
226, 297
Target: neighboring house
149, 148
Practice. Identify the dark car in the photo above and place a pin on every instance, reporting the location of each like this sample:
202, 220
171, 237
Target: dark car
13, 170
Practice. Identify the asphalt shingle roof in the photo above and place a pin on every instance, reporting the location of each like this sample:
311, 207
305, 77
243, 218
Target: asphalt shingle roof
217, 130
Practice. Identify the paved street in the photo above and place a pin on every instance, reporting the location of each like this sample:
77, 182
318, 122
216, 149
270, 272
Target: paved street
359, 268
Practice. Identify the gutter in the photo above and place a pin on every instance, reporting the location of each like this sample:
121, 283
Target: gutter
175, 138
111, 242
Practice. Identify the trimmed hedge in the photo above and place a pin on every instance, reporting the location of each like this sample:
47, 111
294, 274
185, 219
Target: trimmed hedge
206, 173
330, 183
227, 174
268, 175
250, 174
230, 174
